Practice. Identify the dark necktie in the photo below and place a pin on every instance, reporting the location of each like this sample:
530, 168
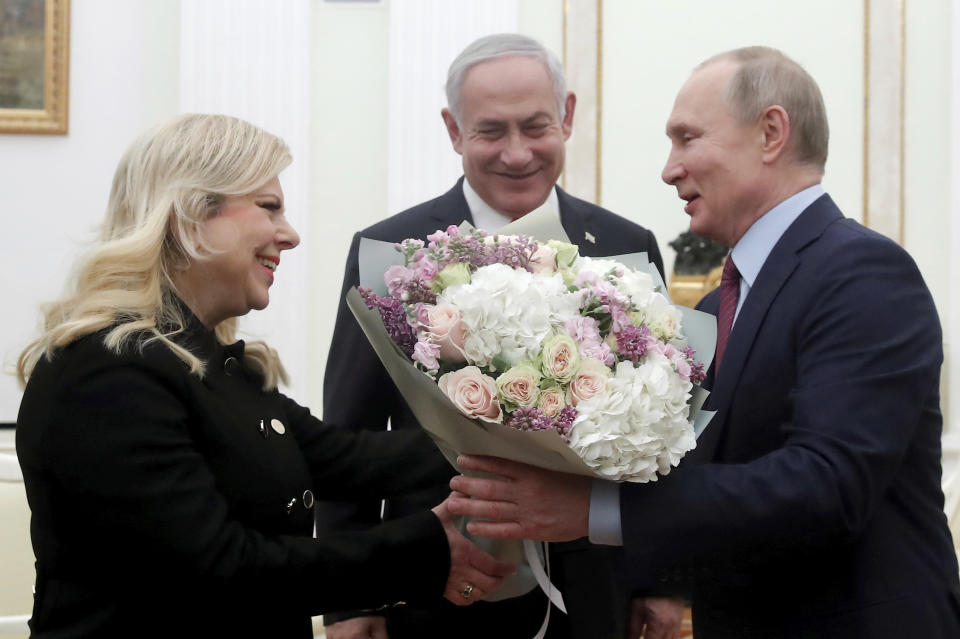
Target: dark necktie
729, 294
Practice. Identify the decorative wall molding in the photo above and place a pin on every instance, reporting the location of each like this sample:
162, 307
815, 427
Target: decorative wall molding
251, 59
583, 63
425, 37
883, 116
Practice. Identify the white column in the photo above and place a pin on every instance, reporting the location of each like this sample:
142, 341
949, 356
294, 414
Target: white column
250, 59
951, 325
583, 62
883, 140
425, 37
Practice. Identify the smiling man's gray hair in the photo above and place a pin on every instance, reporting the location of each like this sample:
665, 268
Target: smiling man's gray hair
496, 46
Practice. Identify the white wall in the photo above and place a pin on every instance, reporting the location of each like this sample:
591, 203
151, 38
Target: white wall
350, 154
123, 79
927, 167
349, 157
649, 51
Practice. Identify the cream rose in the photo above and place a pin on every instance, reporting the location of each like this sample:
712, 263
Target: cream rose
560, 358
519, 385
473, 393
566, 253
544, 261
442, 324
590, 380
451, 275
551, 401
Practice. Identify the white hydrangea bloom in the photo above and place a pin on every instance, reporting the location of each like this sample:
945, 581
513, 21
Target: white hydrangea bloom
509, 312
639, 426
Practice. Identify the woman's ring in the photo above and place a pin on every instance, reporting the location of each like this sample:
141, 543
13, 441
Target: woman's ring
467, 591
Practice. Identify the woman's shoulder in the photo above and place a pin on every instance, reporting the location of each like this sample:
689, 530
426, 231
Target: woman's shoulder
96, 355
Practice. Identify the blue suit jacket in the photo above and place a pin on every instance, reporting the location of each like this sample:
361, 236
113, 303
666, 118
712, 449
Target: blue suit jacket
359, 392
812, 506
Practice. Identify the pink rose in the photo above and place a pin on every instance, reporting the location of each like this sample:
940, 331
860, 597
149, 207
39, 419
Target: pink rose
590, 380
444, 328
473, 393
551, 401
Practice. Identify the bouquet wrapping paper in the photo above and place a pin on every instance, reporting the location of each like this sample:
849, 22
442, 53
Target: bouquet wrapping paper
455, 433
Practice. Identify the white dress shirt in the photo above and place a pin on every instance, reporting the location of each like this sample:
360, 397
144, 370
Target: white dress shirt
488, 219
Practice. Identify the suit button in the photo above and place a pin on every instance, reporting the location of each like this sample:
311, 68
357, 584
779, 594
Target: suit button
231, 366
308, 499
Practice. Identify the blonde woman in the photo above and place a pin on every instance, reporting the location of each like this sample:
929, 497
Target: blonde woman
171, 485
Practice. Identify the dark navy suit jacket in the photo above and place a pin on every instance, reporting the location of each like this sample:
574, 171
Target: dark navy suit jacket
358, 391
812, 506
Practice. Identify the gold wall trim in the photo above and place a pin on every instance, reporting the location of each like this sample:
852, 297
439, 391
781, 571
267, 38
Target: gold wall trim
52, 118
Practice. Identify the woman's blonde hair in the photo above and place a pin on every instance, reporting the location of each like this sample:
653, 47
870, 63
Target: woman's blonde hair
169, 181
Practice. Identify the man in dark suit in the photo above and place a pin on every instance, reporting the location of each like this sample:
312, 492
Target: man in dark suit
509, 116
812, 505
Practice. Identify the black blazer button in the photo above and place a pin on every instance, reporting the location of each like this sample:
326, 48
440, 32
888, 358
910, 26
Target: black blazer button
231, 366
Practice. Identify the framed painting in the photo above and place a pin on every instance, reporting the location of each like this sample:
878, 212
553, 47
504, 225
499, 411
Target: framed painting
34, 66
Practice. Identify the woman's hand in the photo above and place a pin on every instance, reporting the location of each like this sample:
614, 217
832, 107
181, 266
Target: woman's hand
474, 574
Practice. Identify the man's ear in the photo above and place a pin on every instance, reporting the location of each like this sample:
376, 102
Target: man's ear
567, 125
775, 132
453, 130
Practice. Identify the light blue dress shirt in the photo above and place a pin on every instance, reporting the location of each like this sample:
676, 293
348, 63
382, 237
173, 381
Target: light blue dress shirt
749, 255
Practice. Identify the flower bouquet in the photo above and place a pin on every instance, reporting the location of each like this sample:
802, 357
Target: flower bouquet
516, 347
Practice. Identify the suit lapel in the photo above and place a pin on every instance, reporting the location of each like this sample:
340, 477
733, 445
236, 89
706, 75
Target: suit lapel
576, 223
776, 270
451, 208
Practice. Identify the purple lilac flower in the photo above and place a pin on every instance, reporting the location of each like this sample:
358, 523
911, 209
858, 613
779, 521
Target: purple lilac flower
528, 418
394, 319
417, 291
564, 422
409, 248
633, 342
697, 374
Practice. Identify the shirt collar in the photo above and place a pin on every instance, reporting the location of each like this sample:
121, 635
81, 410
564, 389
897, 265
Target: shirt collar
487, 218
753, 248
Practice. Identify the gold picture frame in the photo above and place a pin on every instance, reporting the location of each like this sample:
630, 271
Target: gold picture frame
34, 80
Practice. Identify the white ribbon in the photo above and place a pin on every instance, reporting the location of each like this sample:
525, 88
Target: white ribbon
543, 580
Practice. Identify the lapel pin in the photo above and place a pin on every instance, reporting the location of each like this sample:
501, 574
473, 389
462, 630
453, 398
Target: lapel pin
263, 429
278, 426
588, 236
